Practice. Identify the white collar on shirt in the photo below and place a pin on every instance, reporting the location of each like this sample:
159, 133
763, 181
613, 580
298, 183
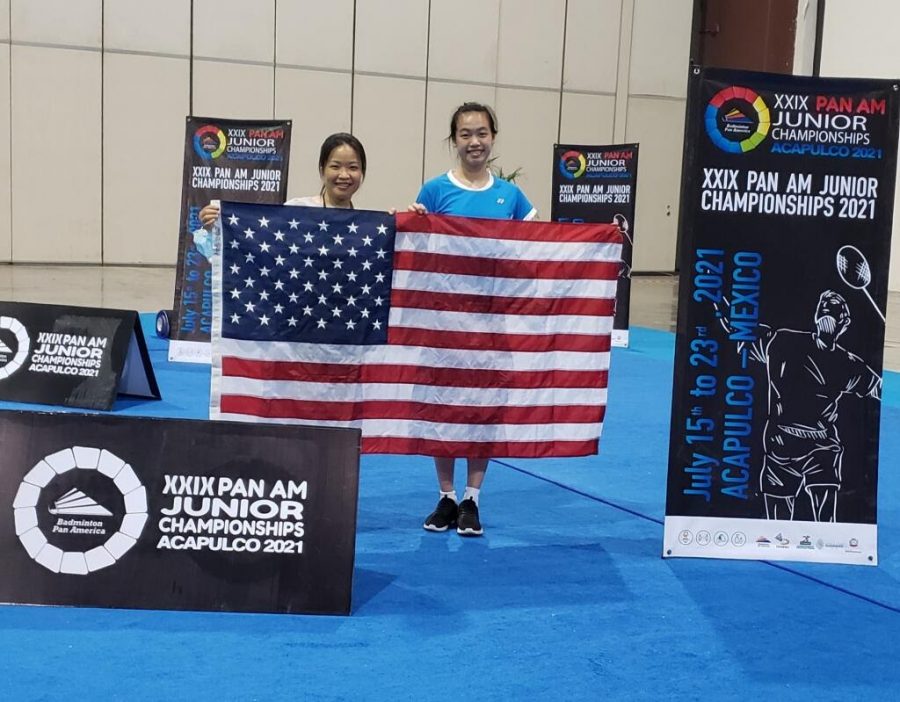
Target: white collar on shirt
459, 184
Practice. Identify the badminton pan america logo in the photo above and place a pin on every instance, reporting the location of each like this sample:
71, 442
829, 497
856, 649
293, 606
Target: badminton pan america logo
210, 142
14, 346
79, 510
737, 120
572, 164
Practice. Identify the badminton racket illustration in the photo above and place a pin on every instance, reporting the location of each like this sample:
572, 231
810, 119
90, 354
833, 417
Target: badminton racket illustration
854, 270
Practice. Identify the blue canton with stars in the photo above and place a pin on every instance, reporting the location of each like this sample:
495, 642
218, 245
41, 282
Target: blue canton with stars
306, 274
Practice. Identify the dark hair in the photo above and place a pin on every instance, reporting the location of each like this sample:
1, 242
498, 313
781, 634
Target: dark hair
473, 107
341, 139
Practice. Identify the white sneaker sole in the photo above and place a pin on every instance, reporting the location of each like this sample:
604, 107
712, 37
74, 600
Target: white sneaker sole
469, 532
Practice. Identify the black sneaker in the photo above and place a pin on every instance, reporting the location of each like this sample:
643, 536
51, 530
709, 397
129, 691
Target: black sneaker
443, 517
467, 522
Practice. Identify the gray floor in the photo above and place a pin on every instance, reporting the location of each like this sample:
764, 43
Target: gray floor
653, 300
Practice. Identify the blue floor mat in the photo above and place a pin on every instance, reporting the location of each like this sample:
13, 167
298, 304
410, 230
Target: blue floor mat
565, 598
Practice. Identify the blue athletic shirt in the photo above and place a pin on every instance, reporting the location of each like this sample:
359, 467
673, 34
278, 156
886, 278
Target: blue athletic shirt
498, 199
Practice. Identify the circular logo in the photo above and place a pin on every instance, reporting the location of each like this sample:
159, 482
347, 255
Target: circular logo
572, 164
685, 537
703, 538
737, 119
720, 539
14, 346
209, 142
738, 539
78, 495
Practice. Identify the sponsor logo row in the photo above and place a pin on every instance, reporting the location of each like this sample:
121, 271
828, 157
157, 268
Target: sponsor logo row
738, 539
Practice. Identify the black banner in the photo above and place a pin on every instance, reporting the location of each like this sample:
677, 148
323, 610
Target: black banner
224, 159
599, 184
72, 356
785, 229
112, 511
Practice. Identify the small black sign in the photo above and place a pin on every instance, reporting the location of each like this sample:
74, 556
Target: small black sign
114, 511
72, 356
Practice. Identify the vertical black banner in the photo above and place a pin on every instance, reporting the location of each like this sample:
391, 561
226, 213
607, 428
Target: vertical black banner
787, 201
598, 184
224, 159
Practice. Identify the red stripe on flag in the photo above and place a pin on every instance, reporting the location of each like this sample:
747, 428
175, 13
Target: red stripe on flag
419, 375
556, 232
496, 304
505, 268
420, 411
485, 341
492, 449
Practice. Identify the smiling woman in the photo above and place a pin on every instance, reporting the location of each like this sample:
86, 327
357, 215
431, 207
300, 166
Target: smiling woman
342, 168
468, 190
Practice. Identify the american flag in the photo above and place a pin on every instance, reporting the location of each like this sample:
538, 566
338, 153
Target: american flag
435, 335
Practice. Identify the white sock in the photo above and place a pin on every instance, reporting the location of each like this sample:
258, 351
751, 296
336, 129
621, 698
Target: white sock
471, 494
451, 495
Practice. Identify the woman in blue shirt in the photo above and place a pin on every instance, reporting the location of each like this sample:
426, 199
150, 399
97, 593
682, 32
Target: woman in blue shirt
468, 190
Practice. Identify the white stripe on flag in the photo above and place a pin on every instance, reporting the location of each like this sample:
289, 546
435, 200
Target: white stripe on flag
444, 244
499, 323
503, 287
405, 392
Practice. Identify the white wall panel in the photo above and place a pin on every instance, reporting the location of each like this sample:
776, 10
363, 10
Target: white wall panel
235, 29
652, 123
443, 99
587, 119
318, 102
55, 155
660, 49
528, 120
463, 41
70, 22
5, 200
854, 43
592, 45
391, 36
233, 90
531, 42
160, 26
857, 43
4, 19
314, 33
388, 117
143, 137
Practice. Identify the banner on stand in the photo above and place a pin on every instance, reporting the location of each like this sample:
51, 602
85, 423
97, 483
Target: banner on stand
598, 184
786, 211
224, 159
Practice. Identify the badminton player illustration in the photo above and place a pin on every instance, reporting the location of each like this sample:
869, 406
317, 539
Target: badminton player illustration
622, 223
808, 374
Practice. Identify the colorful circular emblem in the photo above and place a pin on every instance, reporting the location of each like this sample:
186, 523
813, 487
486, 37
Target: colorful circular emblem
572, 164
209, 142
737, 119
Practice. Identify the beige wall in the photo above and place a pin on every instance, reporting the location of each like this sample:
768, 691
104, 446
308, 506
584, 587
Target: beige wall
859, 43
92, 113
